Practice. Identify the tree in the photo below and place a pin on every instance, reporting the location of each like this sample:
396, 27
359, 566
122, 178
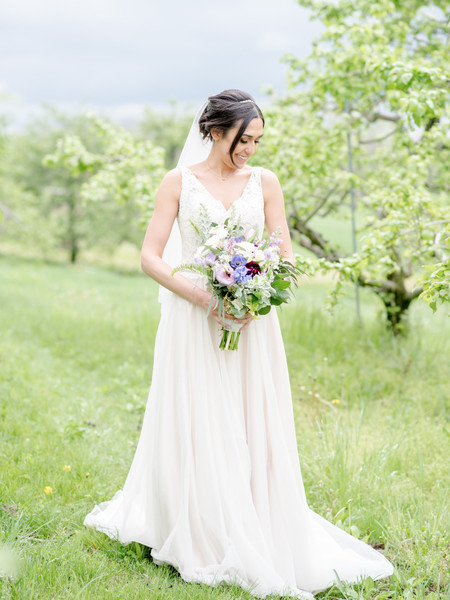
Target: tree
123, 171
167, 130
6, 211
50, 213
378, 76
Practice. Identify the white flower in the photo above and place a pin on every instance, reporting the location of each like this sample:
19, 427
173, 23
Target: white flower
215, 241
201, 252
245, 248
220, 231
258, 255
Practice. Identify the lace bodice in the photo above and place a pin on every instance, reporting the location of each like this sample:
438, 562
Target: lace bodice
195, 198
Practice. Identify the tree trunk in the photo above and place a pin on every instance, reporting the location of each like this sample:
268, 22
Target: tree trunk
392, 291
72, 235
395, 297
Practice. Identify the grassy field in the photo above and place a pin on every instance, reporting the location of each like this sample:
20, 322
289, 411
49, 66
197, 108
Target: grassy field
76, 351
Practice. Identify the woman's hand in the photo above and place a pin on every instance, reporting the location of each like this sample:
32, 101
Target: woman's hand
245, 322
206, 299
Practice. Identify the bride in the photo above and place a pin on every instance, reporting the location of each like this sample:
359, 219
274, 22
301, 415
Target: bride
215, 487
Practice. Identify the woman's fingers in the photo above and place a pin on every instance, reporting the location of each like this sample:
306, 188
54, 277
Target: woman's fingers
227, 318
246, 325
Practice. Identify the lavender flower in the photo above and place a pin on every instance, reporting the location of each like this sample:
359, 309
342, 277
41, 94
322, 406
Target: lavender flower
210, 258
241, 274
229, 244
224, 276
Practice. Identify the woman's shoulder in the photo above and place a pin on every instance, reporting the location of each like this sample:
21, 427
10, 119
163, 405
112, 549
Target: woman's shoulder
171, 181
269, 181
267, 175
174, 175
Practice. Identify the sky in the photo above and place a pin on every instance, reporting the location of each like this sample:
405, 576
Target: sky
117, 56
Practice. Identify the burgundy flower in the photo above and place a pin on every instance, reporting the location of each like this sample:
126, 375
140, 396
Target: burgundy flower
253, 268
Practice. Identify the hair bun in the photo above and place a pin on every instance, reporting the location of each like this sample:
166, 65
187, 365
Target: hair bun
226, 110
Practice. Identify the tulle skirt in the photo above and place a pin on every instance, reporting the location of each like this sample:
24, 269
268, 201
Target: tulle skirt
215, 487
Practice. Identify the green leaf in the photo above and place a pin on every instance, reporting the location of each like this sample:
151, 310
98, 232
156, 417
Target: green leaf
281, 284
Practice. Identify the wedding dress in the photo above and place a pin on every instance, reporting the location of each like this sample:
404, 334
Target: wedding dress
215, 487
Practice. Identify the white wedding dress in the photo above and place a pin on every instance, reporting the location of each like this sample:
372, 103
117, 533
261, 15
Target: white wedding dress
215, 487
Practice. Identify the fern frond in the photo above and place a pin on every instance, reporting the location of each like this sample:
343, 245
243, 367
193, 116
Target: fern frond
189, 267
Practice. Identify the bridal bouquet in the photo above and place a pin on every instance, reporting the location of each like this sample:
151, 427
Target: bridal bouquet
245, 273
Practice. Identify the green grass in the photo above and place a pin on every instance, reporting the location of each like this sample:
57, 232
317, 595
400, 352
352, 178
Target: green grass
76, 351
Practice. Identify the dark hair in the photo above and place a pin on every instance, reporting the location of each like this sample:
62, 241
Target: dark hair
225, 110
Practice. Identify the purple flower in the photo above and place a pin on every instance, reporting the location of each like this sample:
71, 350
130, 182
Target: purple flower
224, 275
238, 261
274, 240
238, 239
272, 253
241, 274
210, 258
229, 244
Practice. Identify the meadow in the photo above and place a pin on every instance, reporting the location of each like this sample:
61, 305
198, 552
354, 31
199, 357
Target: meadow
76, 352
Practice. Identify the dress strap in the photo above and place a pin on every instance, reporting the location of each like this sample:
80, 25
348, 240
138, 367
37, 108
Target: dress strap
188, 180
256, 174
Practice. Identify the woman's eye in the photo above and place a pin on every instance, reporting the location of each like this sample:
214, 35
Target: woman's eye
243, 141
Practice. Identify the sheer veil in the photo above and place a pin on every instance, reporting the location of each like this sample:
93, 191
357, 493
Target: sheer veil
195, 150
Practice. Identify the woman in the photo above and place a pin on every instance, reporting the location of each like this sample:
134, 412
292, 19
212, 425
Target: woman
215, 487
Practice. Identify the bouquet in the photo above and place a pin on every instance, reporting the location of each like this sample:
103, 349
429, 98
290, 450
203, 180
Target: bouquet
245, 273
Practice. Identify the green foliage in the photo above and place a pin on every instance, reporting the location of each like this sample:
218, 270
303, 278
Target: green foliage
46, 213
167, 130
436, 288
99, 190
123, 169
378, 79
76, 353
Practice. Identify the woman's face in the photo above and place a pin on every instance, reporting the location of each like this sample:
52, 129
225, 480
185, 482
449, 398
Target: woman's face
246, 146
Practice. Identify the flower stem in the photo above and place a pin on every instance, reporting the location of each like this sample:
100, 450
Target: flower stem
235, 340
229, 340
224, 340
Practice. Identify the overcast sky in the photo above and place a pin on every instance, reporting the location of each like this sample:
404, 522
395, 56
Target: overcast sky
118, 55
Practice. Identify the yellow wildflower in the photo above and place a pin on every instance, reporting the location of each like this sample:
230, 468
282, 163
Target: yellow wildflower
67, 468
48, 490
87, 474
336, 401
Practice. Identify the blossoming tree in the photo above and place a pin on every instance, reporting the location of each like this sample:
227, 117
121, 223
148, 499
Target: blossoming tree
367, 117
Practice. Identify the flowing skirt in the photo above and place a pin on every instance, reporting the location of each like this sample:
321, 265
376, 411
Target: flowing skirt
215, 487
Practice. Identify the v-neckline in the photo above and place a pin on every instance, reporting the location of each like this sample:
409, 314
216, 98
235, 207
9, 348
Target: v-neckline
216, 199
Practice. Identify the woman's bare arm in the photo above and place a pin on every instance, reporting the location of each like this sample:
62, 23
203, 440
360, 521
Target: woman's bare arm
155, 240
275, 213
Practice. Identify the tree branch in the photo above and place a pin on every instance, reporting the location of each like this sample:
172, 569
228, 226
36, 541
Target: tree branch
321, 203
378, 115
10, 214
311, 240
379, 139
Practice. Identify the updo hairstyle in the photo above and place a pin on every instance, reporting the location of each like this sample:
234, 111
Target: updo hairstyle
225, 110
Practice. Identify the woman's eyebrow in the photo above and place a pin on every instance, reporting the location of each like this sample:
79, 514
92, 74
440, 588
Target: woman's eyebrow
250, 136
